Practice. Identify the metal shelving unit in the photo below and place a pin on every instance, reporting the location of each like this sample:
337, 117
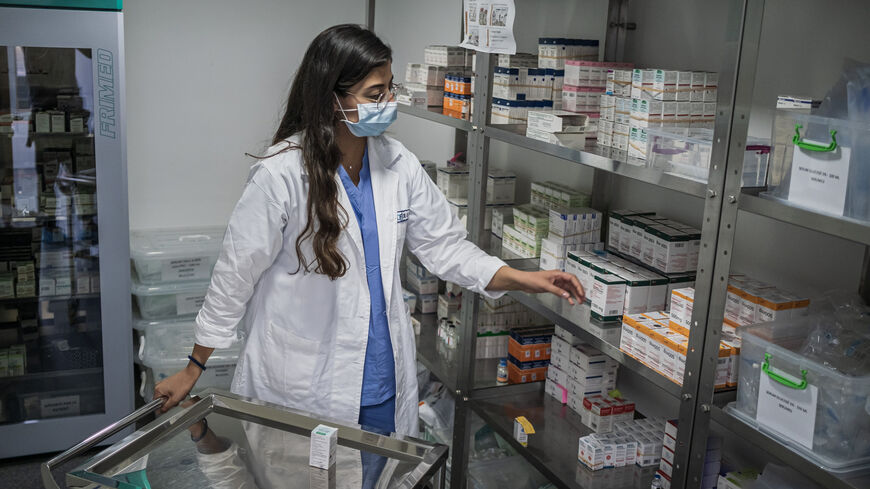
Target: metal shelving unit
434, 114
826, 479
841, 227
599, 158
443, 368
552, 450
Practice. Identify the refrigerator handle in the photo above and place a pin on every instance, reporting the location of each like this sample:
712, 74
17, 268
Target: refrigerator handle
48, 479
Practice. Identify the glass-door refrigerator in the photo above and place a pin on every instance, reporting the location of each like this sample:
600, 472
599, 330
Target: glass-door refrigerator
65, 349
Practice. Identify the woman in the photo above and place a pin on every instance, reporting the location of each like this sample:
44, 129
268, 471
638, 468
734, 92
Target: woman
311, 254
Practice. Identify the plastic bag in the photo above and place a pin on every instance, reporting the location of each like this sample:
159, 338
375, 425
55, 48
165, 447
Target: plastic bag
841, 338
849, 99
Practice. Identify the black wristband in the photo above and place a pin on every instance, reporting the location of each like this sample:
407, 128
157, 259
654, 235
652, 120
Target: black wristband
196, 362
204, 432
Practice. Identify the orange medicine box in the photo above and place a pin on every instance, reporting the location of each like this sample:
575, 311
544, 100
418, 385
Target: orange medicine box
525, 372
531, 344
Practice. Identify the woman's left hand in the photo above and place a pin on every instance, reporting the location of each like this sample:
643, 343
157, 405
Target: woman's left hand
558, 283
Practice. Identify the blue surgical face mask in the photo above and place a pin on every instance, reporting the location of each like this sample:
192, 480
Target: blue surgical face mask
372, 121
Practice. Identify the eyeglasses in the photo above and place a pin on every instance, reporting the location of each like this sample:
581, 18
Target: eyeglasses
384, 97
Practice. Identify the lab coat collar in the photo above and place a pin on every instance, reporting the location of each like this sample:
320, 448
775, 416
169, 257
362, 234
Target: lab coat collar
382, 150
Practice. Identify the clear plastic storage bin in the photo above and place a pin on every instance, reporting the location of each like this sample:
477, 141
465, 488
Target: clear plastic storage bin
686, 152
169, 300
831, 147
841, 435
164, 349
175, 255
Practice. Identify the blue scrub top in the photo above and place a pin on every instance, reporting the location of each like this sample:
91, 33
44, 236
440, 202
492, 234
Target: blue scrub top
379, 373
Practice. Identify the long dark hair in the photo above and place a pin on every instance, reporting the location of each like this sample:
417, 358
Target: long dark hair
337, 59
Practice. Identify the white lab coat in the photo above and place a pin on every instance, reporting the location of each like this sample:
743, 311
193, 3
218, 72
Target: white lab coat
307, 334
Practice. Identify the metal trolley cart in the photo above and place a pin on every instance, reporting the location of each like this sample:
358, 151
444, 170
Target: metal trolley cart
245, 443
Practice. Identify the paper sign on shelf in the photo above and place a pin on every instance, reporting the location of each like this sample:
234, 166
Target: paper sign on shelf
185, 269
788, 411
819, 179
488, 27
188, 303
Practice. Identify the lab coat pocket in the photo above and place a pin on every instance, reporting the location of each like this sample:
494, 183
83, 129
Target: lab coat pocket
295, 361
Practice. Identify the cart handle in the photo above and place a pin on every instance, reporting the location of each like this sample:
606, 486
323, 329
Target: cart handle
781, 379
48, 479
800, 143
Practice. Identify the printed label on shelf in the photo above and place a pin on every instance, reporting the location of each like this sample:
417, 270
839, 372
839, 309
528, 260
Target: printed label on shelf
788, 411
59, 406
185, 269
188, 303
819, 179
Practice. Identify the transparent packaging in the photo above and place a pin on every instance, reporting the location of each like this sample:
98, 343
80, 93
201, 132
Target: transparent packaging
841, 437
164, 349
175, 255
795, 133
169, 300
686, 152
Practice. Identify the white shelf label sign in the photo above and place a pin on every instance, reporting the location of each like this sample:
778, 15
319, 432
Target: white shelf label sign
819, 179
185, 269
188, 303
59, 406
788, 411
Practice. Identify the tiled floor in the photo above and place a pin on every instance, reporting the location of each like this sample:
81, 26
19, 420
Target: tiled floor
24, 472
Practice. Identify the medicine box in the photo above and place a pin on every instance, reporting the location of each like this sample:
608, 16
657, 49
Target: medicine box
450, 56
555, 390
556, 121
530, 344
425, 285
523, 372
682, 301
175, 255
427, 304
584, 223
607, 297
501, 187
519, 243
324, 442
453, 181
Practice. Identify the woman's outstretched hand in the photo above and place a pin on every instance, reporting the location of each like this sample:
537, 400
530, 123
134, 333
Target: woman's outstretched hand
556, 282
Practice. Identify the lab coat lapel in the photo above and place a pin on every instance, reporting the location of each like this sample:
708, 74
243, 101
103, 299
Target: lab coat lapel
384, 187
352, 224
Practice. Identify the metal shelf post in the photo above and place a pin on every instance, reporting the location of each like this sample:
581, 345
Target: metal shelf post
477, 158
737, 79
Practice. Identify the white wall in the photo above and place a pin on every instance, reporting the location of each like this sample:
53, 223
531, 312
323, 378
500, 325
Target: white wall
206, 82
408, 26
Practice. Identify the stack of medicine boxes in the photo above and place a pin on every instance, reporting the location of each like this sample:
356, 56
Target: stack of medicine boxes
531, 222
637, 99
577, 370
585, 84
494, 323
660, 341
426, 83
520, 85
500, 191
423, 284
529, 351
172, 271
662, 244
631, 442
712, 459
